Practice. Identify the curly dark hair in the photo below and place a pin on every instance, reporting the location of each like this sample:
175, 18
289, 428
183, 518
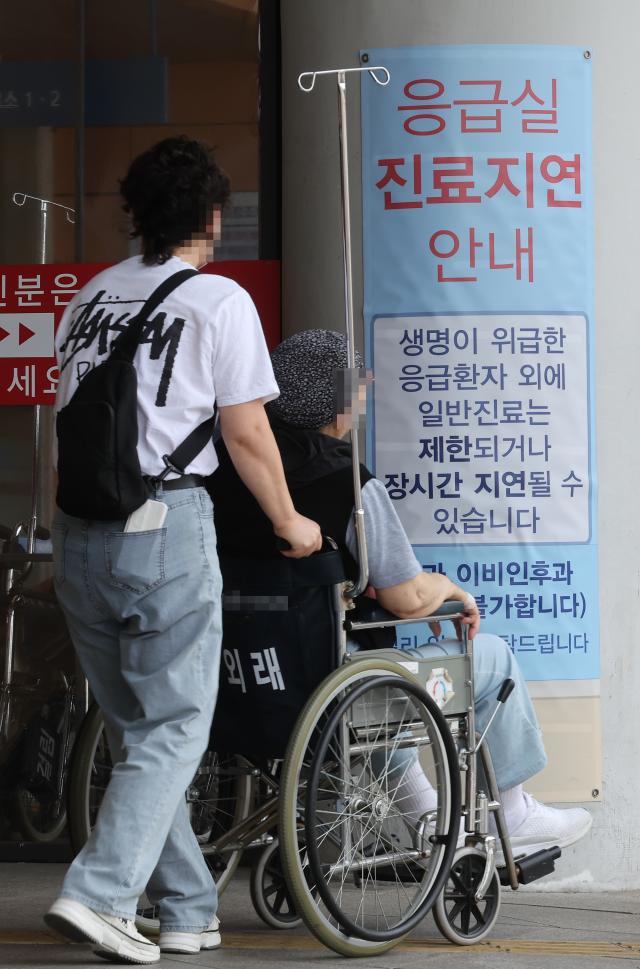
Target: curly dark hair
170, 191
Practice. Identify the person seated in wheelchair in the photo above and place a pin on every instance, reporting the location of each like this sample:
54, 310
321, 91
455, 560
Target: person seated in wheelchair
309, 429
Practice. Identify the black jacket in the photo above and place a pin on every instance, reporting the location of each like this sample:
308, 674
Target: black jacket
319, 475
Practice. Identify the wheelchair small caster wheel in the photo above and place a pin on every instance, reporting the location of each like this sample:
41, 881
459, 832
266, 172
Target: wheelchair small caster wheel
459, 916
270, 893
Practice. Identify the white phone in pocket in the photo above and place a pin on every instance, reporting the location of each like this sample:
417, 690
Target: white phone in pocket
147, 517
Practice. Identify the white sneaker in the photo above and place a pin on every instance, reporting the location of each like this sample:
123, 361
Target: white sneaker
547, 827
191, 942
148, 920
115, 937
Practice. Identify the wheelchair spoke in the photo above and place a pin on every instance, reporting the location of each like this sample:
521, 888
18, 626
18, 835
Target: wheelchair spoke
458, 882
478, 915
456, 910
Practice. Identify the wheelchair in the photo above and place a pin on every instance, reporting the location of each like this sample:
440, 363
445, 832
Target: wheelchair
308, 751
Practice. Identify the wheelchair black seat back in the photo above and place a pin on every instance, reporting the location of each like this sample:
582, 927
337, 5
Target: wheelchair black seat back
280, 636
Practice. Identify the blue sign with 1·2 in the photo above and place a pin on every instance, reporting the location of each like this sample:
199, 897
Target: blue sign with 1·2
44, 93
479, 328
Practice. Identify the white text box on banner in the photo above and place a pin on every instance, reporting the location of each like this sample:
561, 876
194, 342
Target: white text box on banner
481, 426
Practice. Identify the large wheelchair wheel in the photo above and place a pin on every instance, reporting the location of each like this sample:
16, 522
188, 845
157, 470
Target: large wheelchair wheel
218, 798
361, 873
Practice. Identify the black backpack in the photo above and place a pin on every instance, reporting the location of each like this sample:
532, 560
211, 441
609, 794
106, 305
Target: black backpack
99, 474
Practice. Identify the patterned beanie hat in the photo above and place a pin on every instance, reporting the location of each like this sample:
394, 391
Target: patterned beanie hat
305, 368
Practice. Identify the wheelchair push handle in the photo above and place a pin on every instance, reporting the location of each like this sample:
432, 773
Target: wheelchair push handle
328, 545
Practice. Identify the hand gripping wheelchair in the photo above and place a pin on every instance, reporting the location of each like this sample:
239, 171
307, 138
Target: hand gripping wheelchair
313, 783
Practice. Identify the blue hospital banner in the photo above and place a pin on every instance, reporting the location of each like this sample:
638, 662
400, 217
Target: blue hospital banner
478, 310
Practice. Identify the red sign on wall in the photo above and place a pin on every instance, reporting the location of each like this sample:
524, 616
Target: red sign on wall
33, 299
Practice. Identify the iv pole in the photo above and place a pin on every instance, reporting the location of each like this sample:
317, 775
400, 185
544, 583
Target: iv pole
306, 83
19, 199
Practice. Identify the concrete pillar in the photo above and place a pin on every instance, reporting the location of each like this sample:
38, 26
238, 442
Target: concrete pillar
329, 33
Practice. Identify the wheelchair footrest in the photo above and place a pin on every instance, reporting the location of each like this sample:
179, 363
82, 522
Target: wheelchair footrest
532, 867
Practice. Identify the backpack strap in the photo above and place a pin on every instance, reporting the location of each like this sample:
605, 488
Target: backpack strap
191, 446
125, 347
127, 342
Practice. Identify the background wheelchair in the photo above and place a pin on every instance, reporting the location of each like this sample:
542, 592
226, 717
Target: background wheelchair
334, 846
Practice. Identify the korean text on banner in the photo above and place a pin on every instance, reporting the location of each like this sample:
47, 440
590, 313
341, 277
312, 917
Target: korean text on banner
479, 328
33, 299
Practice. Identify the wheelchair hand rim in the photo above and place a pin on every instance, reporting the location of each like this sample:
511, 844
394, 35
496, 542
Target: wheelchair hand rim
451, 761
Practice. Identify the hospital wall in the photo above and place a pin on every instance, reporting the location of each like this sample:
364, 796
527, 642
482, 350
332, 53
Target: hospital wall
329, 33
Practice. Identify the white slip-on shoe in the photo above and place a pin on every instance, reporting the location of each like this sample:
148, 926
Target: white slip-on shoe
547, 827
189, 943
116, 938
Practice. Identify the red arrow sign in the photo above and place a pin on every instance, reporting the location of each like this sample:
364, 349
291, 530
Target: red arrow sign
3, 334
24, 334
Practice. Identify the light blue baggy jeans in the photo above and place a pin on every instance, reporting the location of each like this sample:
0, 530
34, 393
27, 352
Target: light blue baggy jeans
144, 613
514, 738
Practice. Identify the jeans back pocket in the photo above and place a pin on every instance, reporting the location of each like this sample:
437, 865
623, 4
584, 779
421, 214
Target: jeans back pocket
135, 560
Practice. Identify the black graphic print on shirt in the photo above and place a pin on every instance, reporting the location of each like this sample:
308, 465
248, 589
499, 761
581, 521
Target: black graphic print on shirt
95, 321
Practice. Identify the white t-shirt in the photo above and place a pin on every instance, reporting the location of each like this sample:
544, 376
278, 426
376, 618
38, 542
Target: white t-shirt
204, 344
390, 556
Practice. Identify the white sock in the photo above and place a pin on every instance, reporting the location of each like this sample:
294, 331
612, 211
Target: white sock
414, 795
514, 806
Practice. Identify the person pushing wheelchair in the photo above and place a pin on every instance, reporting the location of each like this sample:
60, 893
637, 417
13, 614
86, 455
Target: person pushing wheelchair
141, 592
